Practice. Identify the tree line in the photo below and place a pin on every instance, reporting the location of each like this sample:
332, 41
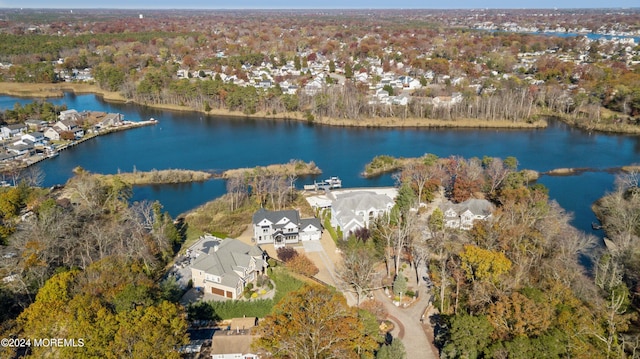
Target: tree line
87, 264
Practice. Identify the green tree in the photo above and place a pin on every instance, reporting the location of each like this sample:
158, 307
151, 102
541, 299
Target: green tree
332, 66
436, 220
348, 70
395, 350
389, 89
296, 63
406, 198
400, 284
468, 337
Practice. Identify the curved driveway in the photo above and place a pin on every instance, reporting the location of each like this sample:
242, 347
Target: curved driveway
408, 327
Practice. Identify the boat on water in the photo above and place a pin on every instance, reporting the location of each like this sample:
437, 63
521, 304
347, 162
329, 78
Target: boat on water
334, 182
52, 154
329, 183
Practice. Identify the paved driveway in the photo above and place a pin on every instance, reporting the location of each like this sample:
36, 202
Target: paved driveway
408, 327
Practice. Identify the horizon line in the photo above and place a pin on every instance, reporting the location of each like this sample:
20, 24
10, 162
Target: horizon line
320, 8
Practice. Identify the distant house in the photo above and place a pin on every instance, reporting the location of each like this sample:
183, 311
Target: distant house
284, 227
355, 210
111, 120
462, 215
36, 138
69, 125
52, 133
69, 115
36, 125
232, 344
21, 149
225, 267
10, 131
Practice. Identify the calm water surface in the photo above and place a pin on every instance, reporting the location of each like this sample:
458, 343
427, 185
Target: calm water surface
197, 141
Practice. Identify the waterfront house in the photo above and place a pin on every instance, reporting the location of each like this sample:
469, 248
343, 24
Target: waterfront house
69, 125
21, 149
111, 120
462, 215
284, 227
354, 210
52, 133
36, 138
36, 125
13, 130
225, 267
69, 115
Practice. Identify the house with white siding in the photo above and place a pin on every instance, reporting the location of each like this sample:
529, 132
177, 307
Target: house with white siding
462, 215
284, 227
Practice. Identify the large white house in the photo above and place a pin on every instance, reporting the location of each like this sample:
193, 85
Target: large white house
225, 267
284, 227
354, 210
462, 215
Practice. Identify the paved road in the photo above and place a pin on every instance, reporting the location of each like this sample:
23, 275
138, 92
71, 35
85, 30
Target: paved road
408, 327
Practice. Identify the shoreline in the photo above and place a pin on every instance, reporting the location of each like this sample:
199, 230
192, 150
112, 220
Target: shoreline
44, 91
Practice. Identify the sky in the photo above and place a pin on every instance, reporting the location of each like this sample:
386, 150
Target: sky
315, 4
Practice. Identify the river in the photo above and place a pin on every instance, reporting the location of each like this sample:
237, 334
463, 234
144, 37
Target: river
200, 142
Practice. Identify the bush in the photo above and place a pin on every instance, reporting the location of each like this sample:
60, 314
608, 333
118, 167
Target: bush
286, 254
303, 265
272, 262
410, 293
249, 287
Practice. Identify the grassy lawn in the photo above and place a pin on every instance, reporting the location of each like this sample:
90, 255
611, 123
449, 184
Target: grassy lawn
285, 283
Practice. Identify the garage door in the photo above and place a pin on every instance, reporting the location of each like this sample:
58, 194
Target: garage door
229, 294
217, 291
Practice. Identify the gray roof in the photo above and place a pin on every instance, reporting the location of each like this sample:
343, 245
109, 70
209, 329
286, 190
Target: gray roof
224, 258
359, 201
304, 222
476, 206
276, 216
16, 126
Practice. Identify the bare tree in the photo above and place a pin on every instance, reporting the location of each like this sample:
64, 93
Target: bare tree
33, 176
358, 270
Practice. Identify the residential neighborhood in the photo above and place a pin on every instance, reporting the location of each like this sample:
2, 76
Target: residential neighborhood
225, 267
35, 140
496, 216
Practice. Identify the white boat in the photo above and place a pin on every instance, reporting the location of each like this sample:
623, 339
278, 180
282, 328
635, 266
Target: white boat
334, 182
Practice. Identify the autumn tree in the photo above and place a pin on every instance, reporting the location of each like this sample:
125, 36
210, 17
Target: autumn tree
65, 309
358, 269
314, 322
482, 264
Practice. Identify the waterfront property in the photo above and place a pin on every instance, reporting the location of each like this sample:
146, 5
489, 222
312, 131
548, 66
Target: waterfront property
353, 210
462, 215
284, 227
23, 148
225, 267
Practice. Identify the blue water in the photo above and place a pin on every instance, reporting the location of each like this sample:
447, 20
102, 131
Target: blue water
196, 141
